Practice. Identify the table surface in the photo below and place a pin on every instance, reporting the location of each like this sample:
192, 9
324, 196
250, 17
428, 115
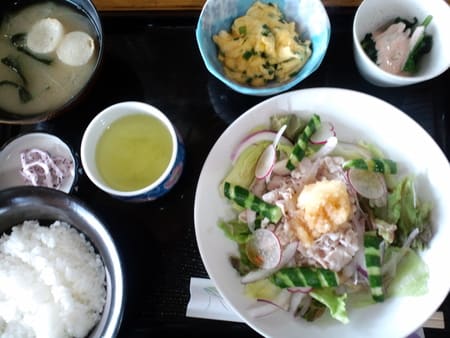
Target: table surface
152, 57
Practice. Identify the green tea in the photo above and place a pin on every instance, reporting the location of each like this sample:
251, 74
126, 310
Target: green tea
133, 152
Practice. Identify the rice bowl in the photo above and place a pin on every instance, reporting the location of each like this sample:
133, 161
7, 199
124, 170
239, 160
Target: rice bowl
47, 291
47, 205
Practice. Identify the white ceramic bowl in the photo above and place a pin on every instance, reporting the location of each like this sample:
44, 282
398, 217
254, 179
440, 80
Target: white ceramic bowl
10, 163
367, 118
372, 14
310, 17
95, 130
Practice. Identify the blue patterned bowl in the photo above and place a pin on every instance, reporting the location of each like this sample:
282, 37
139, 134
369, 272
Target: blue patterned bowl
311, 20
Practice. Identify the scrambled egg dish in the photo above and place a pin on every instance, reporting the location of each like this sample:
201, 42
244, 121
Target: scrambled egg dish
262, 46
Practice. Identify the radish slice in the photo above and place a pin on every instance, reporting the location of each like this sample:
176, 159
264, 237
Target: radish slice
259, 136
368, 184
325, 131
263, 249
327, 148
266, 161
287, 254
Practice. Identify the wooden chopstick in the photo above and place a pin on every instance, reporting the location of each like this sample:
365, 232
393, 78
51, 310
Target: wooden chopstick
436, 321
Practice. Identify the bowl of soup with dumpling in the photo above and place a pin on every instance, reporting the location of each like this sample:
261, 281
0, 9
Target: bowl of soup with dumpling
50, 51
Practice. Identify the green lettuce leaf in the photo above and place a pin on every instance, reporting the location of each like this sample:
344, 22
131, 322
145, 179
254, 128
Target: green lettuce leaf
408, 212
262, 289
236, 231
243, 171
411, 275
334, 302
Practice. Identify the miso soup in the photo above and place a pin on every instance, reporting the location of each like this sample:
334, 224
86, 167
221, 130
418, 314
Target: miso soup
48, 51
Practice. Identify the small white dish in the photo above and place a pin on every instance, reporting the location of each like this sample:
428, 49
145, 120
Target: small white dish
10, 162
373, 14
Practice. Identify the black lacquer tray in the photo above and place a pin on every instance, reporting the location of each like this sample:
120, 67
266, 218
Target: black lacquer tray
153, 57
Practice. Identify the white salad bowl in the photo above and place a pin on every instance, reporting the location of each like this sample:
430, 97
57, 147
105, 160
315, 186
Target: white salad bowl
369, 119
373, 14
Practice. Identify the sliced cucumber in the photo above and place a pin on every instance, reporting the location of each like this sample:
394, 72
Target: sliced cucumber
305, 276
380, 165
246, 199
373, 263
300, 146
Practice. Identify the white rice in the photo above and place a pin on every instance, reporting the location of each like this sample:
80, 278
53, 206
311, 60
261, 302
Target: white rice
52, 282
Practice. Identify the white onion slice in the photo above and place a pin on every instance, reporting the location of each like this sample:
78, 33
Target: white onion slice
264, 307
268, 158
416, 35
266, 162
329, 145
325, 131
279, 168
296, 299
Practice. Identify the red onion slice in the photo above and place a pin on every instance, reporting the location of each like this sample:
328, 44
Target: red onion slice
259, 136
39, 168
264, 307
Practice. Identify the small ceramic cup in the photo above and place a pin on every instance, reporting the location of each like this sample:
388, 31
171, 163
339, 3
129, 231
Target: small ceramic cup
39, 146
102, 122
373, 14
